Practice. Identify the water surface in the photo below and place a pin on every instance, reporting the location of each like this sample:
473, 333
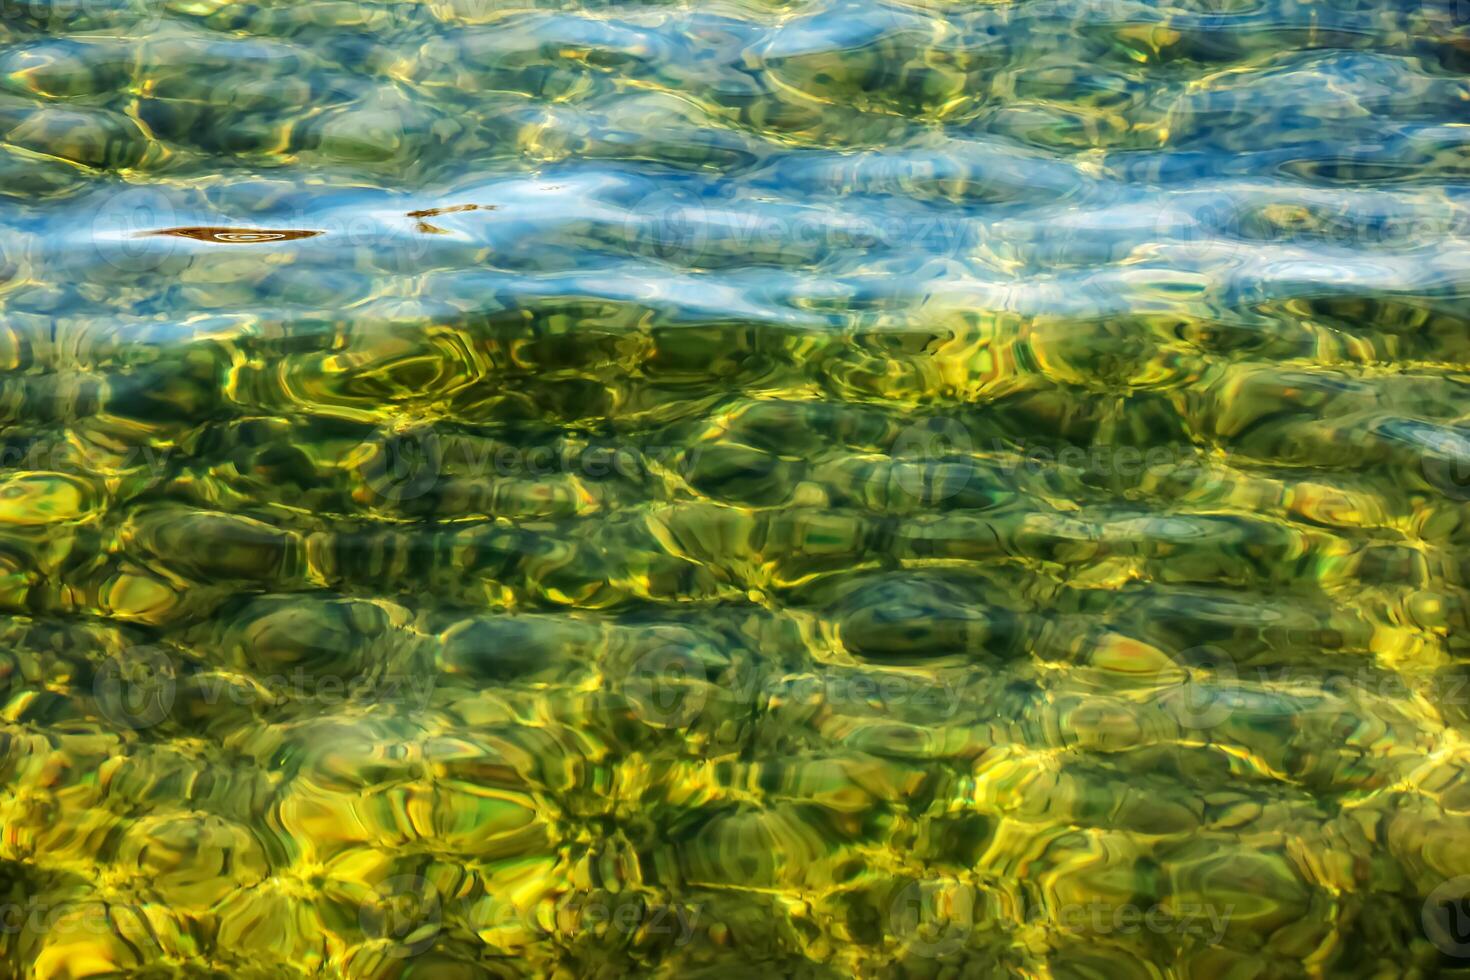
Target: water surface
583, 490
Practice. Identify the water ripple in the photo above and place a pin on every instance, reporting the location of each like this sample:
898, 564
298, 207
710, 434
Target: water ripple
826, 488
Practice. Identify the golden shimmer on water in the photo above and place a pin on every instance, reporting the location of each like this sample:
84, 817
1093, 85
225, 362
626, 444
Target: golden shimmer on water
735, 489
